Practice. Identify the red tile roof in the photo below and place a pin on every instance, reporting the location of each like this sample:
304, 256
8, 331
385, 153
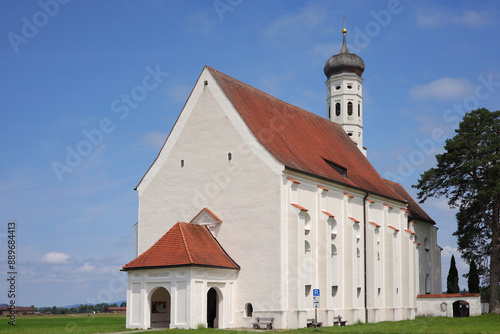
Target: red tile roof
416, 212
449, 295
209, 212
18, 308
300, 140
184, 245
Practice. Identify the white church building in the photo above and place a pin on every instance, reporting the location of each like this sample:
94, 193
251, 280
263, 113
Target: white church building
253, 203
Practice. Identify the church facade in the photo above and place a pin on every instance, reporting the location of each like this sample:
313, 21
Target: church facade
253, 203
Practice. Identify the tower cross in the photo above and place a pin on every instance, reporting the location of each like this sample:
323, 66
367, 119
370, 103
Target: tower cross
344, 21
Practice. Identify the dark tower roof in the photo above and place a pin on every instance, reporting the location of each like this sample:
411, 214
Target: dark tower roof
344, 62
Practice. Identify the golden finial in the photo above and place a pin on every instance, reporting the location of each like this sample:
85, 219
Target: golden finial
344, 30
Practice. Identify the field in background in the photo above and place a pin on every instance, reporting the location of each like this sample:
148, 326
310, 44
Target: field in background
108, 323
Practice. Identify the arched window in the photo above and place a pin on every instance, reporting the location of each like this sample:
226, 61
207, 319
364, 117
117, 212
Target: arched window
337, 109
349, 108
248, 310
334, 266
334, 228
427, 284
229, 156
358, 268
329, 111
378, 273
307, 223
359, 109
307, 263
427, 244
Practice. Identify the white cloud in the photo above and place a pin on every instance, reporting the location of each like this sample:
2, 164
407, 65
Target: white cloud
55, 258
154, 139
440, 203
428, 17
448, 251
86, 268
444, 89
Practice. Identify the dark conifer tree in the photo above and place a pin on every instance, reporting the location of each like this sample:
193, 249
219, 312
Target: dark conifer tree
452, 280
473, 278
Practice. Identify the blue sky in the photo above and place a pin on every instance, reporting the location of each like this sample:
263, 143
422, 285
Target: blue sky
116, 74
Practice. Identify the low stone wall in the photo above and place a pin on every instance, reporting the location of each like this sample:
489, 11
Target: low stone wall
436, 305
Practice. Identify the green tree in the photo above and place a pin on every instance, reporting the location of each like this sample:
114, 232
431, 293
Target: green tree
123, 304
452, 279
467, 173
473, 278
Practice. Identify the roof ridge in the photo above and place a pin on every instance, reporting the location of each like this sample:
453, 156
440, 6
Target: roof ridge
267, 94
184, 241
247, 99
416, 211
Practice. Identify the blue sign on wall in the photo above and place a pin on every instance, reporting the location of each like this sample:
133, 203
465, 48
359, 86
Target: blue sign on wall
315, 292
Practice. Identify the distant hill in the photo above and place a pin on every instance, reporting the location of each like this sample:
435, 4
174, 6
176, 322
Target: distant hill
76, 305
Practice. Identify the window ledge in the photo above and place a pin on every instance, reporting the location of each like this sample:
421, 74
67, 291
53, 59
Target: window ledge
299, 207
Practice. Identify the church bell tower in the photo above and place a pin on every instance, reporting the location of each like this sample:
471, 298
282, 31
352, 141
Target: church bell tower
345, 94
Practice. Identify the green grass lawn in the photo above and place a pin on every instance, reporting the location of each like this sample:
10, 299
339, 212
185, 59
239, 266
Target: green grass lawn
72, 323
106, 323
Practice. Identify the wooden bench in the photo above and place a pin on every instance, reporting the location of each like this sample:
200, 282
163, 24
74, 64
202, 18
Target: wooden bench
338, 321
263, 321
312, 322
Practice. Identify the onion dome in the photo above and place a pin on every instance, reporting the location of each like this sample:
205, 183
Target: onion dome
344, 62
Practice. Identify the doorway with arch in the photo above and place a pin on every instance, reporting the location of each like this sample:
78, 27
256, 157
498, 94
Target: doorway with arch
160, 303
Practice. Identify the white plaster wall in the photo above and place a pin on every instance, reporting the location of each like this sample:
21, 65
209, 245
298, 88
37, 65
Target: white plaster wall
344, 95
396, 279
188, 289
432, 306
429, 262
243, 192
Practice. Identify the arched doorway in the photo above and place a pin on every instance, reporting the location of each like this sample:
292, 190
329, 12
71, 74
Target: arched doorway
460, 309
160, 308
212, 308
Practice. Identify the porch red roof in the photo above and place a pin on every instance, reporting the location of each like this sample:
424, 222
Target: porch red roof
184, 245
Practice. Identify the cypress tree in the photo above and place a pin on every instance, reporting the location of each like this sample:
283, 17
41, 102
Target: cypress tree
452, 280
473, 278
